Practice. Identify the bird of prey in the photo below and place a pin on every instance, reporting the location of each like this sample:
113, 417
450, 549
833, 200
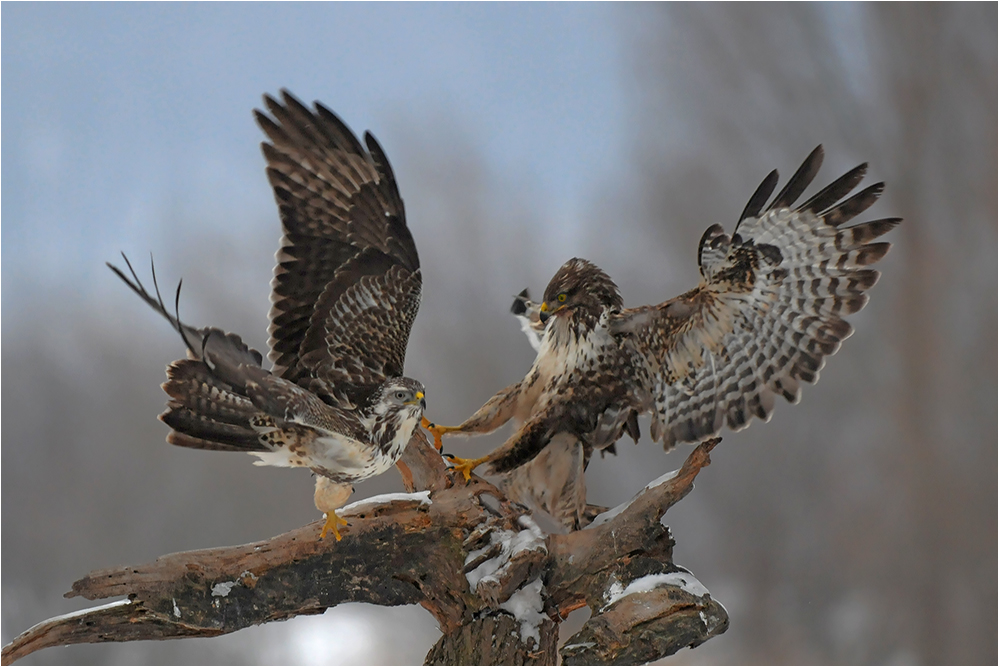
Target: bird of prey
551, 485
768, 309
345, 292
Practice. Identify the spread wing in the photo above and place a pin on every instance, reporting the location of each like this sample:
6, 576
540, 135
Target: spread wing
769, 308
347, 280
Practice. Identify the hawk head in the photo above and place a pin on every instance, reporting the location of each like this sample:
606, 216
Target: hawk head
398, 394
581, 291
396, 408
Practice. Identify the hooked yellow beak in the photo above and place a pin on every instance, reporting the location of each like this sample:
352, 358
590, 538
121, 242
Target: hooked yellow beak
418, 398
545, 311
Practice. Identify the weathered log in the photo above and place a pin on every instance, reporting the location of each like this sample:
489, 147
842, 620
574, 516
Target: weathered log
495, 640
496, 584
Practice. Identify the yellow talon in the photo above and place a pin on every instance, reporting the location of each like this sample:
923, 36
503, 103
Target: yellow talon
466, 466
437, 431
333, 521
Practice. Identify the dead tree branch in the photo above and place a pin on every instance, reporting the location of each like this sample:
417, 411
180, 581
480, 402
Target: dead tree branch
496, 584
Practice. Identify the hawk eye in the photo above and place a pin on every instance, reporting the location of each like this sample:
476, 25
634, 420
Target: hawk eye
561, 297
400, 395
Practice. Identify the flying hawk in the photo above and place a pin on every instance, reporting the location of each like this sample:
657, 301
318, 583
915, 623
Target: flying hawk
767, 311
345, 292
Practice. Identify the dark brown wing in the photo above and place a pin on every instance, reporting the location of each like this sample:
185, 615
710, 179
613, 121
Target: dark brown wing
767, 312
343, 220
360, 329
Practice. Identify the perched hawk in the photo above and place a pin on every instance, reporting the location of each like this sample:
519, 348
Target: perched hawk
767, 311
346, 289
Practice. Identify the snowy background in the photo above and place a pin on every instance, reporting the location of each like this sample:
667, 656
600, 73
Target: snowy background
856, 527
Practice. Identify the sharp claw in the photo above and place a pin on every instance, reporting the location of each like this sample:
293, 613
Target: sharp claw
465, 466
436, 431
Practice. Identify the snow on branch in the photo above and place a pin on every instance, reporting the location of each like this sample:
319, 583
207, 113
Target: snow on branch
497, 585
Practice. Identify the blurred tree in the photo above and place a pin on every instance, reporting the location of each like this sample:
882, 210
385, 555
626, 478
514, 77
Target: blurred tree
857, 527
902, 567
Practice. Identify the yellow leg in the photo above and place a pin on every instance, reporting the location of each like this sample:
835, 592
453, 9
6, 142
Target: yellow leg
466, 466
332, 523
437, 431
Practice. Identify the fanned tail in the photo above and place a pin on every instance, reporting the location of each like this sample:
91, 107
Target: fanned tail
207, 413
209, 407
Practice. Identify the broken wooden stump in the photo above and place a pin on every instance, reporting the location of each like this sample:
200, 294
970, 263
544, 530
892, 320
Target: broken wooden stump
497, 585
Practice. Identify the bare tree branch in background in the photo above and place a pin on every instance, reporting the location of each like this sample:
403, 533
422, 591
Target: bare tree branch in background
496, 584
913, 90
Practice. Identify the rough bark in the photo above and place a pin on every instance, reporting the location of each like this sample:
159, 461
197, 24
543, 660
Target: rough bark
494, 640
462, 551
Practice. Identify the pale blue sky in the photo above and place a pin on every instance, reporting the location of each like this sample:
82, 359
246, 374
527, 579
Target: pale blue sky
115, 114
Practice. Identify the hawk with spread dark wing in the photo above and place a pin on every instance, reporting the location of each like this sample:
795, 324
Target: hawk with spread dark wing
345, 292
768, 309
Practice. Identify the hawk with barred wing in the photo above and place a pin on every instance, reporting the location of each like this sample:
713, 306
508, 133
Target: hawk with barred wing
345, 292
768, 309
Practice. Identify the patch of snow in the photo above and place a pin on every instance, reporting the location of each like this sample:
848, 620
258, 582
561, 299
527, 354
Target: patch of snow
423, 497
666, 477
531, 538
685, 581
488, 569
526, 606
609, 515
223, 588
81, 613
177, 611
614, 592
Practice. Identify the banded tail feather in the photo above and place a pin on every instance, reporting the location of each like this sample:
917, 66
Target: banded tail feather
205, 412
209, 406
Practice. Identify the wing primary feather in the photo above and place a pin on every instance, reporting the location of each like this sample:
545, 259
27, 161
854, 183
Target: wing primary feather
300, 115
849, 208
335, 127
800, 180
859, 235
274, 132
759, 197
831, 194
